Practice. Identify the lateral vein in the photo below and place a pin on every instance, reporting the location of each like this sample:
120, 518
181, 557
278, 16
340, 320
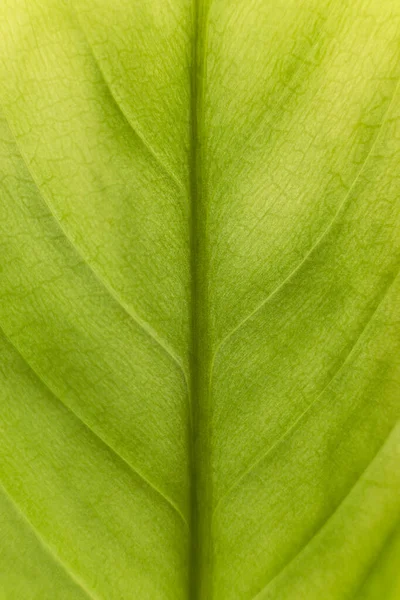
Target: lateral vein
66, 568
93, 432
315, 401
316, 245
144, 325
260, 594
133, 123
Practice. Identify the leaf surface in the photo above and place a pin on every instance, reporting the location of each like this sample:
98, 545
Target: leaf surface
199, 299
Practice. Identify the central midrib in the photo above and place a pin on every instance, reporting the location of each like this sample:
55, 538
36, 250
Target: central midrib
199, 576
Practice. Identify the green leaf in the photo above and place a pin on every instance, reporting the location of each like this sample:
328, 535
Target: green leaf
199, 299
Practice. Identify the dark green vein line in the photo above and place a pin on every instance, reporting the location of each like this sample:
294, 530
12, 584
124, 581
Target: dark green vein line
195, 348
133, 469
66, 568
199, 577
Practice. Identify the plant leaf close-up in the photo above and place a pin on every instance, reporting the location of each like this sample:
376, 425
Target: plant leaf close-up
199, 299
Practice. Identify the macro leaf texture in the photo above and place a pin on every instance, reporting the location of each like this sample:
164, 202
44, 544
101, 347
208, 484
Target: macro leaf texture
199, 299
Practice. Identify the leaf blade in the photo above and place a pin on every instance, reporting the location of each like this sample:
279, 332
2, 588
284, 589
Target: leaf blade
200, 240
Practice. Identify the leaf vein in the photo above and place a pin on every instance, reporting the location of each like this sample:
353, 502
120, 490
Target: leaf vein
261, 593
314, 402
133, 123
65, 567
144, 325
315, 246
93, 432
